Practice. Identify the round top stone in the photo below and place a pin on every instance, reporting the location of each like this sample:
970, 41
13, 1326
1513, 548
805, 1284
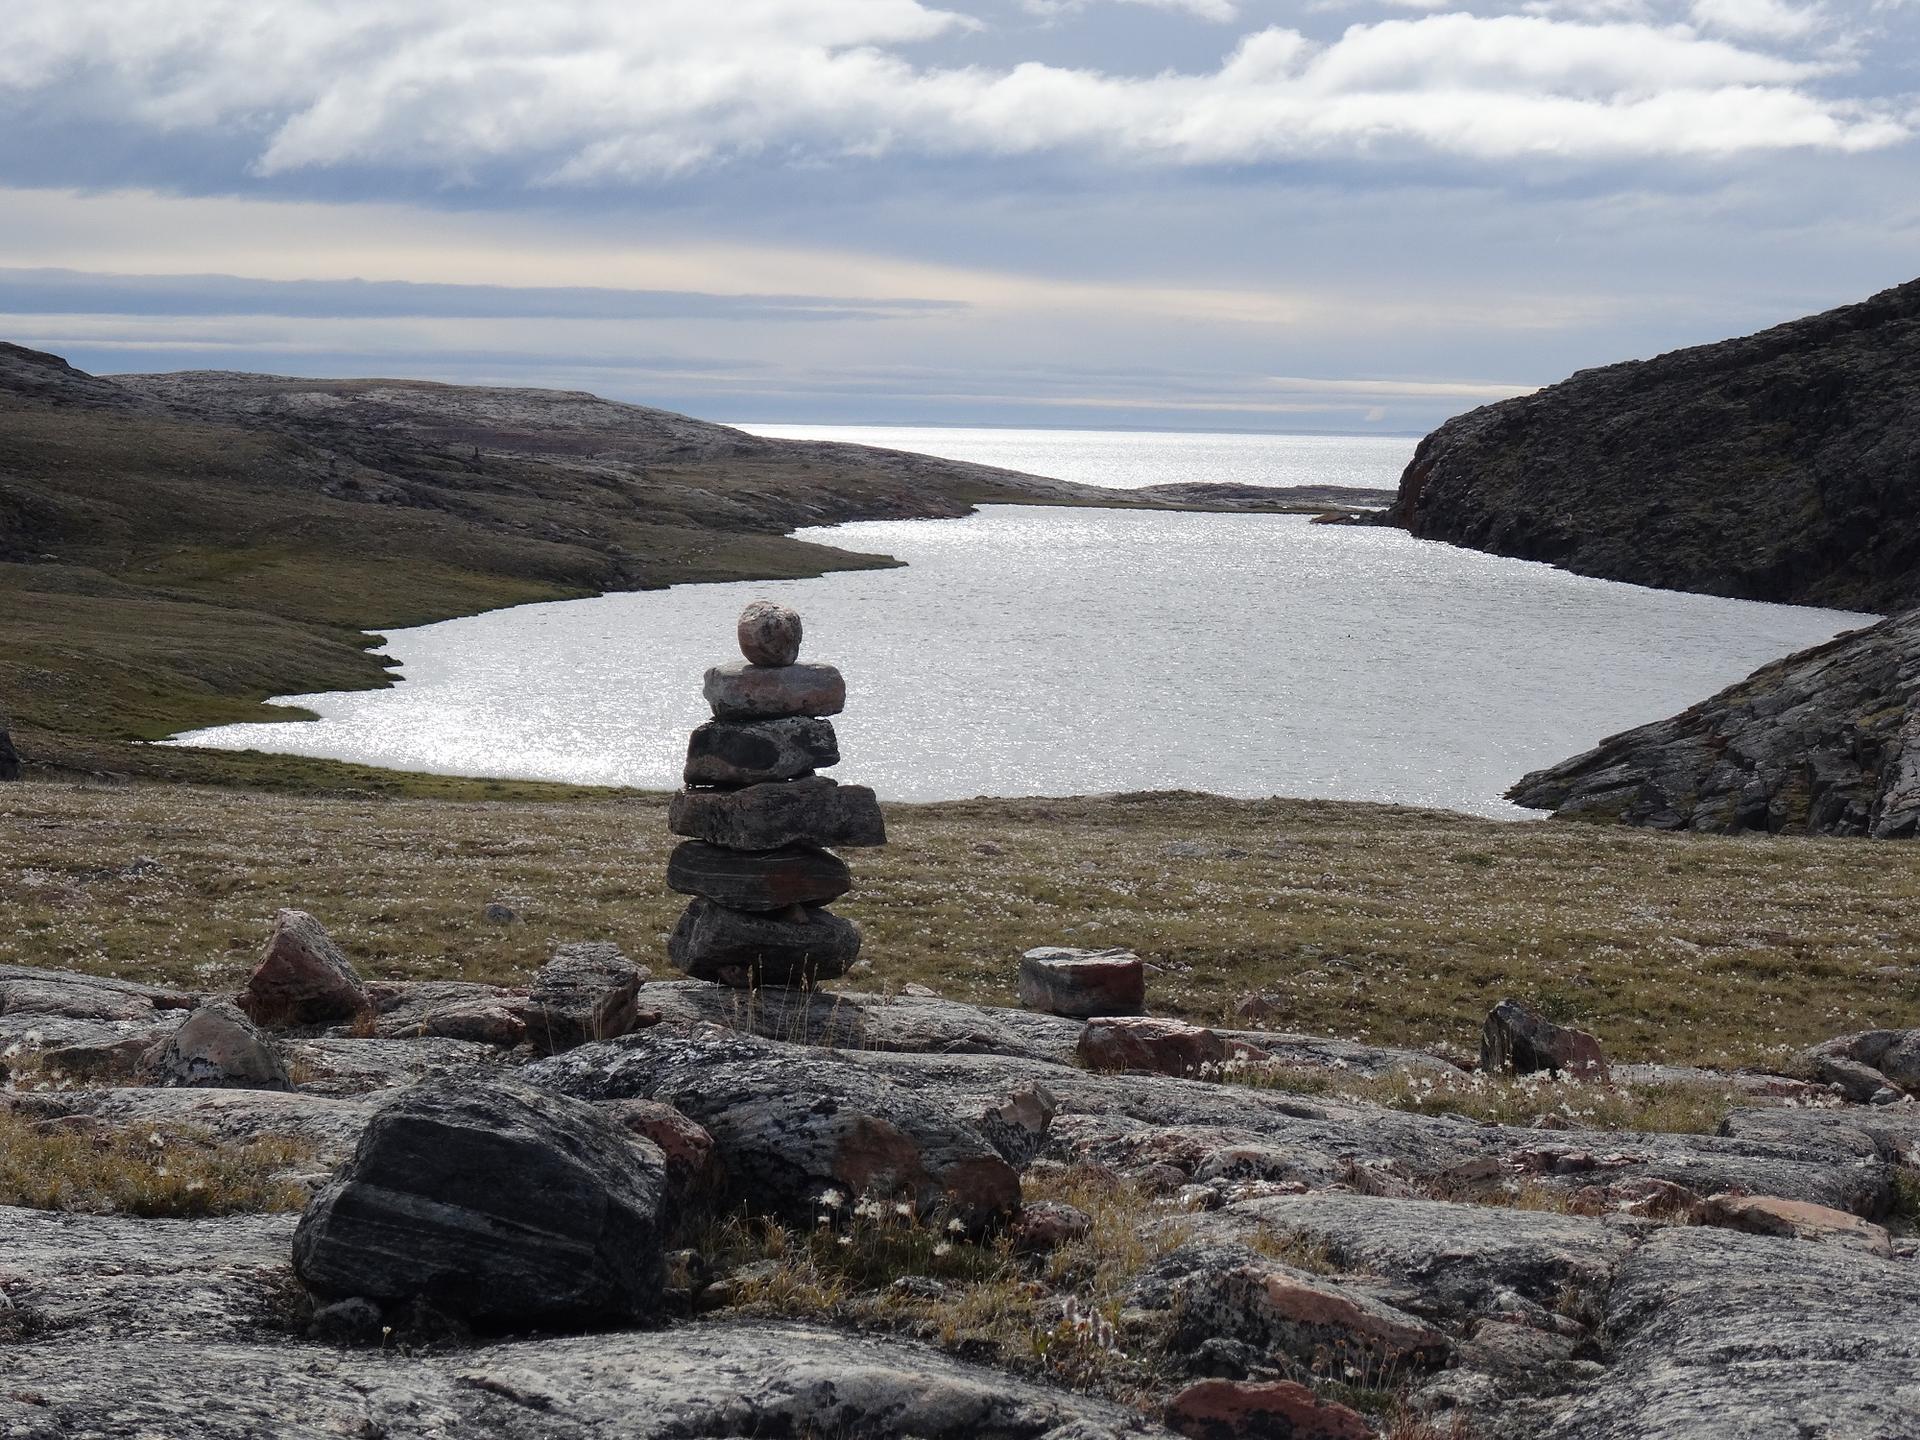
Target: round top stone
769, 633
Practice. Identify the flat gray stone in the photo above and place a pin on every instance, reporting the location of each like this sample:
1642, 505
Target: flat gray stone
813, 811
740, 690
797, 947
750, 752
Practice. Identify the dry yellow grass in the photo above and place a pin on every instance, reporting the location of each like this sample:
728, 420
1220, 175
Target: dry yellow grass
153, 1171
1393, 925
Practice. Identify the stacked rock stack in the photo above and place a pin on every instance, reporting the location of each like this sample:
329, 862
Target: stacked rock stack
759, 819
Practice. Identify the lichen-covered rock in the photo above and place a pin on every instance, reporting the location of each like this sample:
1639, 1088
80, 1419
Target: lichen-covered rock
758, 879
499, 1204
769, 633
587, 991
1824, 742
220, 1048
303, 979
1061, 980
791, 1124
1280, 1310
749, 752
1517, 1040
813, 811
741, 690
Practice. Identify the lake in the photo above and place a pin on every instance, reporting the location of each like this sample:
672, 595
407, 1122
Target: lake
1042, 650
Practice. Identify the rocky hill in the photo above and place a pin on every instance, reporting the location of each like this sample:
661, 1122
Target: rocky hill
1781, 466
1824, 742
593, 1204
176, 548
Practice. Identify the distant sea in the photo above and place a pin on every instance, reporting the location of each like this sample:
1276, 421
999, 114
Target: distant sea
1130, 459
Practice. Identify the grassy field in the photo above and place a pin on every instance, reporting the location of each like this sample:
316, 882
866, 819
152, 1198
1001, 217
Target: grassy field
1386, 924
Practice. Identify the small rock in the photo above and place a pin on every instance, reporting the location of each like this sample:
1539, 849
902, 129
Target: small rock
799, 946
742, 691
758, 879
813, 811
1060, 980
1159, 1047
498, 914
724, 752
1796, 1220
917, 1287
10, 768
692, 1163
1019, 1125
303, 979
1521, 1041
1256, 1007
1047, 1225
506, 1205
218, 1047
769, 633
353, 1321
1261, 1410
587, 991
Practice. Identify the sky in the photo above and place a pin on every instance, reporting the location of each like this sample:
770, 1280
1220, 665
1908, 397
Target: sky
1347, 215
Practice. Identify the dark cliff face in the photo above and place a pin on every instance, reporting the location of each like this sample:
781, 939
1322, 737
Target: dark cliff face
1781, 466
1824, 742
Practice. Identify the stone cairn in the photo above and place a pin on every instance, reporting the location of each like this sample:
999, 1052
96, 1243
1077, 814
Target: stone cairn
758, 819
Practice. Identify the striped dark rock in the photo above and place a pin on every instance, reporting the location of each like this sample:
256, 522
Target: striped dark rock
758, 879
732, 752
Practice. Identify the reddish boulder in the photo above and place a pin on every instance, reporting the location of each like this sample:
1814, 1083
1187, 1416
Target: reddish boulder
692, 1166
303, 979
1261, 1410
769, 633
1047, 1225
1160, 1047
1796, 1220
1521, 1041
1082, 983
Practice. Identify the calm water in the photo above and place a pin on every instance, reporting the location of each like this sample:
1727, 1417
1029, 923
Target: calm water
1128, 459
1063, 651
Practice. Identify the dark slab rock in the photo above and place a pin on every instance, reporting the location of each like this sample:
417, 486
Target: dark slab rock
304, 978
587, 991
758, 879
813, 811
741, 690
1518, 1040
1849, 1133
748, 752
799, 946
1792, 1339
791, 1123
219, 1047
1061, 980
697, 1382
499, 1204
1824, 742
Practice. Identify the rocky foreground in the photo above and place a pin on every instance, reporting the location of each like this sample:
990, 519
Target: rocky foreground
1778, 466
592, 1204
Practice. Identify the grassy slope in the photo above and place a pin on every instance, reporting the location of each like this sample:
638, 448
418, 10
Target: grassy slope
1397, 925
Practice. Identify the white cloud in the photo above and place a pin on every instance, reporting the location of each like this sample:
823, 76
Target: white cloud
1761, 19
1219, 11
599, 91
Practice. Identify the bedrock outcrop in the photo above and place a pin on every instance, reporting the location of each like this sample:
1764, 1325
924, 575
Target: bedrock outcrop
1824, 742
1778, 466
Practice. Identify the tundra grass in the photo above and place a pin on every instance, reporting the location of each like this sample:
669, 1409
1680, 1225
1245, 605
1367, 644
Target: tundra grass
1390, 925
145, 1171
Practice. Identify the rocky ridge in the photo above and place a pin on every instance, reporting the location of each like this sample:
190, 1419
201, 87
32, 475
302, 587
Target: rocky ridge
1824, 742
1488, 1280
1779, 466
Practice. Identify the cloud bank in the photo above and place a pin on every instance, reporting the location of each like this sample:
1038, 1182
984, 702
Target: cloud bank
612, 92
